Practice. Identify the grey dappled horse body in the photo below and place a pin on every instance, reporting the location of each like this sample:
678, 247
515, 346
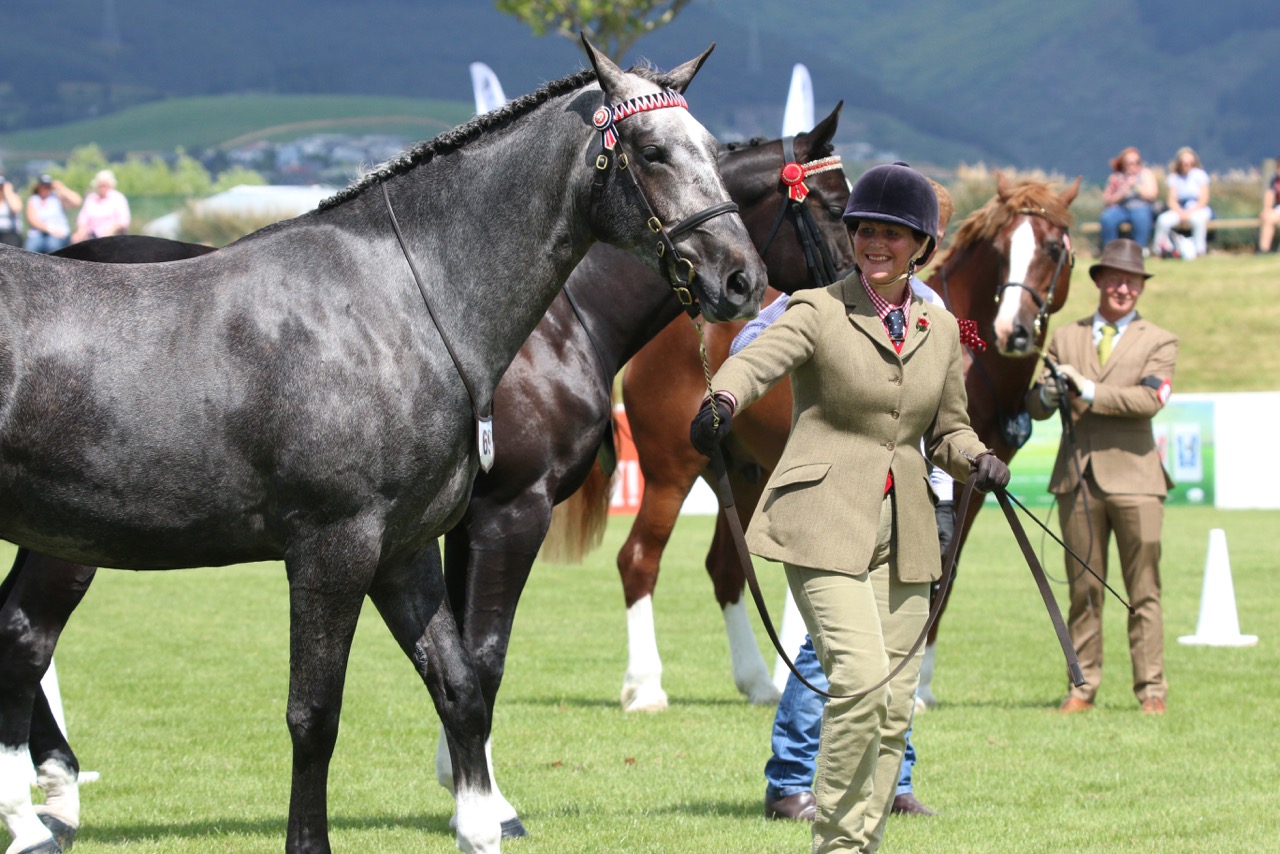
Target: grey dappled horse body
291, 397
561, 385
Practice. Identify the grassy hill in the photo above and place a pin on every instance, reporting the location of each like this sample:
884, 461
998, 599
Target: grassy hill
1056, 86
224, 120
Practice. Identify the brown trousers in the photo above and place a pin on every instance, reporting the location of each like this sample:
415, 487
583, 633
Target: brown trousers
1088, 521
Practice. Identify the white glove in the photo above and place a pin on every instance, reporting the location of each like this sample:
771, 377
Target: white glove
1074, 379
1050, 393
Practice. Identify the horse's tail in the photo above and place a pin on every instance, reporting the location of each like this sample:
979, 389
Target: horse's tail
578, 522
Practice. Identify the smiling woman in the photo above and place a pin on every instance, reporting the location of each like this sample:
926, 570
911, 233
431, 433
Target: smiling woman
848, 510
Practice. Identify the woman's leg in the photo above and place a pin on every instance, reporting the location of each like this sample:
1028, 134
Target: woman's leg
1165, 223
1267, 228
1200, 229
1109, 223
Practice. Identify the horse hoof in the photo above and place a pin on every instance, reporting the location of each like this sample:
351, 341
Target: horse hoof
766, 695
641, 697
64, 834
49, 846
513, 828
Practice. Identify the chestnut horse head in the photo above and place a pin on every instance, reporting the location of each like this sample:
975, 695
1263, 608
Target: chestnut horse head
1010, 265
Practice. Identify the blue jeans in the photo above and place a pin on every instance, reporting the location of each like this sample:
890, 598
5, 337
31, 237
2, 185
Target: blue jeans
38, 241
797, 728
1140, 216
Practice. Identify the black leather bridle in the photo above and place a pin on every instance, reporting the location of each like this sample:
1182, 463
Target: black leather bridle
1044, 304
817, 255
679, 270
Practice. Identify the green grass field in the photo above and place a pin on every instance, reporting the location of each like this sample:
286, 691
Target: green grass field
175, 687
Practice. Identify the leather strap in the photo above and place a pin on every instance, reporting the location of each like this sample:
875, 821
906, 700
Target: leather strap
725, 493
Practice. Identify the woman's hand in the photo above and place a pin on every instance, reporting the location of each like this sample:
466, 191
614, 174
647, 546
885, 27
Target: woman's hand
712, 423
990, 472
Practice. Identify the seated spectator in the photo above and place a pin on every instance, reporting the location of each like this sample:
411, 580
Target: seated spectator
1188, 205
47, 226
1129, 196
1270, 212
105, 212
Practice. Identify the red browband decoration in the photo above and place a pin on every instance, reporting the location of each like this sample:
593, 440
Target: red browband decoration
793, 175
606, 117
969, 336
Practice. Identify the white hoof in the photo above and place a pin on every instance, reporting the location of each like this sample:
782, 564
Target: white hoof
643, 697
762, 693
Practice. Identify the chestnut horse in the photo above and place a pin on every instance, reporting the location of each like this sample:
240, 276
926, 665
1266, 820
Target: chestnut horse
1009, 266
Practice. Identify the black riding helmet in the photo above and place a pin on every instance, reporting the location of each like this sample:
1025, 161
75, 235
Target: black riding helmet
898, 194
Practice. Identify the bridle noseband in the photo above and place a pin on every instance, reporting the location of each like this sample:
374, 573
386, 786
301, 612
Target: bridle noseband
1043, 304
680, 271
817, 255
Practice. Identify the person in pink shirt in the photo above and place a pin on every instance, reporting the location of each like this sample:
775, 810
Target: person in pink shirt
105, 211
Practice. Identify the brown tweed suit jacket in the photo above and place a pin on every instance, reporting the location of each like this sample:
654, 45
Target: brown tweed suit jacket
860, 410
1113, 433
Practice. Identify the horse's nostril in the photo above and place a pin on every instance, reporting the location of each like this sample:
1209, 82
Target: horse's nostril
739, 285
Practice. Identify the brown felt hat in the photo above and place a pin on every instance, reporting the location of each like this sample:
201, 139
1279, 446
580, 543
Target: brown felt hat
1121, 254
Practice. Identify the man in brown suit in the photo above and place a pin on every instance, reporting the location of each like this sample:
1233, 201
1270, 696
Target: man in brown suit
1116, 368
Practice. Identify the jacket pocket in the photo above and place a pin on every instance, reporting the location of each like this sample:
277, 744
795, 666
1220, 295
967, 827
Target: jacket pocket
807, 473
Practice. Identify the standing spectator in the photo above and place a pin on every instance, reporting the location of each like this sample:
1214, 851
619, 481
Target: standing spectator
1118, 369
105, 212
848, 512
1270, 214
1188, 204
1129, 196
10, 214
47, 227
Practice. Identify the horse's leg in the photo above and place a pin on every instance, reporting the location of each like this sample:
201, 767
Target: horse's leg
724, 565
36, 600
485, 582
329, 572
414, 604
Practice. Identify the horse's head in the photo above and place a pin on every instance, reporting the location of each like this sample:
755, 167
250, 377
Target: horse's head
658, 192
792, 193
1034, 241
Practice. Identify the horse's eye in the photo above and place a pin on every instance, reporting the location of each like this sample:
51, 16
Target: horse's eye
653, 154
836, 211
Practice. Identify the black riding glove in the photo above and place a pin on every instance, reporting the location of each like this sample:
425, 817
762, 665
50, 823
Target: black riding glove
990, 472
705, 433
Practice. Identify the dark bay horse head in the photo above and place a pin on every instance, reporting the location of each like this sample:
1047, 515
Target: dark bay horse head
1014, 254
692, 235
804, 194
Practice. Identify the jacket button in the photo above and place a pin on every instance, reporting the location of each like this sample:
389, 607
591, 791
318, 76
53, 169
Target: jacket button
897, 380
888, 446
894, 413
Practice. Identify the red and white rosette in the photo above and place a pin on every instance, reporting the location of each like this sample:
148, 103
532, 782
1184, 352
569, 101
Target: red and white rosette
793, 175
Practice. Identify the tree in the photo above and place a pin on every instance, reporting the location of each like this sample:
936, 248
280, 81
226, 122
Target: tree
612, 25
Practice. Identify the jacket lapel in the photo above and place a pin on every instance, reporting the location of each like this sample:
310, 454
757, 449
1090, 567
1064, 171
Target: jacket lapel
916, 335
862, 314
1126, 343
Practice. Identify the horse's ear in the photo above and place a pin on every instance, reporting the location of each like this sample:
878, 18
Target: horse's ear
824, 131
1002, 187
678, 78
608, 73
1069, 195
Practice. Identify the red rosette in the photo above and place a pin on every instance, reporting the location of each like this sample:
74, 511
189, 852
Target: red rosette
602, 117
969, 336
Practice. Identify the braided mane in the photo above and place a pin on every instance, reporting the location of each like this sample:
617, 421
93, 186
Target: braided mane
457, 138
1026, 194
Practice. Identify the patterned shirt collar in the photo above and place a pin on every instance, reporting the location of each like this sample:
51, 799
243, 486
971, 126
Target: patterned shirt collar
883, 306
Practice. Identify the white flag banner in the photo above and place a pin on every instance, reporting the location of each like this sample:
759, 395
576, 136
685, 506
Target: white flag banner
488, 90
798, 117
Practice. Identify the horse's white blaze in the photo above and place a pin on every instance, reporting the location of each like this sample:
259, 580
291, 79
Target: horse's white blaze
61, 792
750, 673
479, 828
444, 776
1022, 249
642, 686
15, 800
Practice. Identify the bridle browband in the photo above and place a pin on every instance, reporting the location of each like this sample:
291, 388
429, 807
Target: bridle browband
679, 270
1043, 304
817, 255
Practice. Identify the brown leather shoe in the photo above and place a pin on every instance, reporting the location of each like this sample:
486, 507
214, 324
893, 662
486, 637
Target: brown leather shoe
798, 807
908, 805
1074, 704
1153, 706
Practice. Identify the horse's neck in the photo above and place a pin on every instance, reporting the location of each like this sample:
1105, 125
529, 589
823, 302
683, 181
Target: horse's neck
495, 230
621, 303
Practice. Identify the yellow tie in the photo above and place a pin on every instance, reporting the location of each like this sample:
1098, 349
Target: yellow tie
1104, 346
